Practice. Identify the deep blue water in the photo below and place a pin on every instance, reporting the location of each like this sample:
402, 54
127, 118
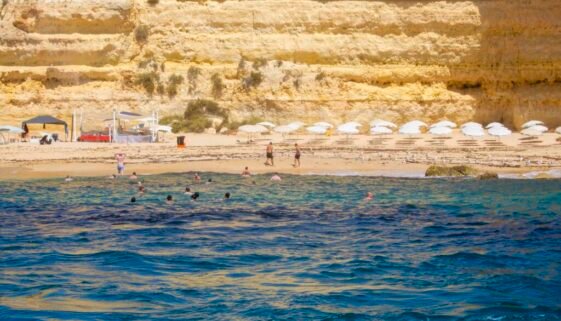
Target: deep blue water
307, 248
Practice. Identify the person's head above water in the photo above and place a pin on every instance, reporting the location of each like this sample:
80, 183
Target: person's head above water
133, 199
227, 195
209, 180
187, 189
169, 198
195, 196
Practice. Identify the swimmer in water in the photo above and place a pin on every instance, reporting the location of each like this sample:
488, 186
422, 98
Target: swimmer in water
369, 196
169, 199
197, 178
227, 196
133, 176
195, 196
68, 179
276, 177
188, 191
246, 172
141, 189
133, 199
209, 181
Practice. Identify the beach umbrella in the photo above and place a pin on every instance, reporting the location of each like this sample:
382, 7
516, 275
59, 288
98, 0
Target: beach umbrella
253, 129
540, 128
286, 129
532, 123
352, 124
415, 123
11, 129
317, 130
382, 123
531, 132
558, 130
499, 131
348, 128
380, 130
472, 124
323, 124
410, 130
266, 124
444, 123
494, 124
296, 125
440, 130
473, 131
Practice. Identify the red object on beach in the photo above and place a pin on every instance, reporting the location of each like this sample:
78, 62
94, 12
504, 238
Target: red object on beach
94, 138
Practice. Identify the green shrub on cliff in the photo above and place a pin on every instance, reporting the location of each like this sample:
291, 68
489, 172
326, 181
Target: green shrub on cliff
174, 81
196, 117
148, 81
141, 33
217, 86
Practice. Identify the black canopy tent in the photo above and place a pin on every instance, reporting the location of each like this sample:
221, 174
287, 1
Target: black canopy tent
45, 119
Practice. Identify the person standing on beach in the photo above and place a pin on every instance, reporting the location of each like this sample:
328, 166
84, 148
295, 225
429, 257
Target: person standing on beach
120, 157
270, 161
246, 172
296, 156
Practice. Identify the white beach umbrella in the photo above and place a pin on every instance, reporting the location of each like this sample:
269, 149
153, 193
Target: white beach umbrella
323, 124
348, 129
531, 132
444, 123
473, 131
380, 130
296, 125
558, 130
540, 128
410, 130
11, 129
415, 123
494, 124
350, 124
252, 129
472, 124
532, 123
499, 131
266, 124
286, 129
382, 123
317, 130
442, 130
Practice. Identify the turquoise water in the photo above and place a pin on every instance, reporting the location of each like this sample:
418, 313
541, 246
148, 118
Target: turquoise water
308, 248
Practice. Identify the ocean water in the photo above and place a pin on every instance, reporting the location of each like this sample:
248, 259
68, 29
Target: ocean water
307, 248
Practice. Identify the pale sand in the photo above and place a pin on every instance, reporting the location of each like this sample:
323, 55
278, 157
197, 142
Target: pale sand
393, 155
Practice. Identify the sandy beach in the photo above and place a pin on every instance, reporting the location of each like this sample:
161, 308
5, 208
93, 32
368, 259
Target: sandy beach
391, 155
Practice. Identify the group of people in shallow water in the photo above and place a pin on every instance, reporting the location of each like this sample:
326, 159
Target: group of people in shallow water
120, 158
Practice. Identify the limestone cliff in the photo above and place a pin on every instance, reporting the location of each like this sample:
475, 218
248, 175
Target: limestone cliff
285, 59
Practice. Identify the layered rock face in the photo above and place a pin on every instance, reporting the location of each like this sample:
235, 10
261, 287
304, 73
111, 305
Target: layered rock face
284, 59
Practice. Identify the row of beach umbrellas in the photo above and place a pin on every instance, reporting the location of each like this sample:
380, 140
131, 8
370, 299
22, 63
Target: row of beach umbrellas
383, 127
